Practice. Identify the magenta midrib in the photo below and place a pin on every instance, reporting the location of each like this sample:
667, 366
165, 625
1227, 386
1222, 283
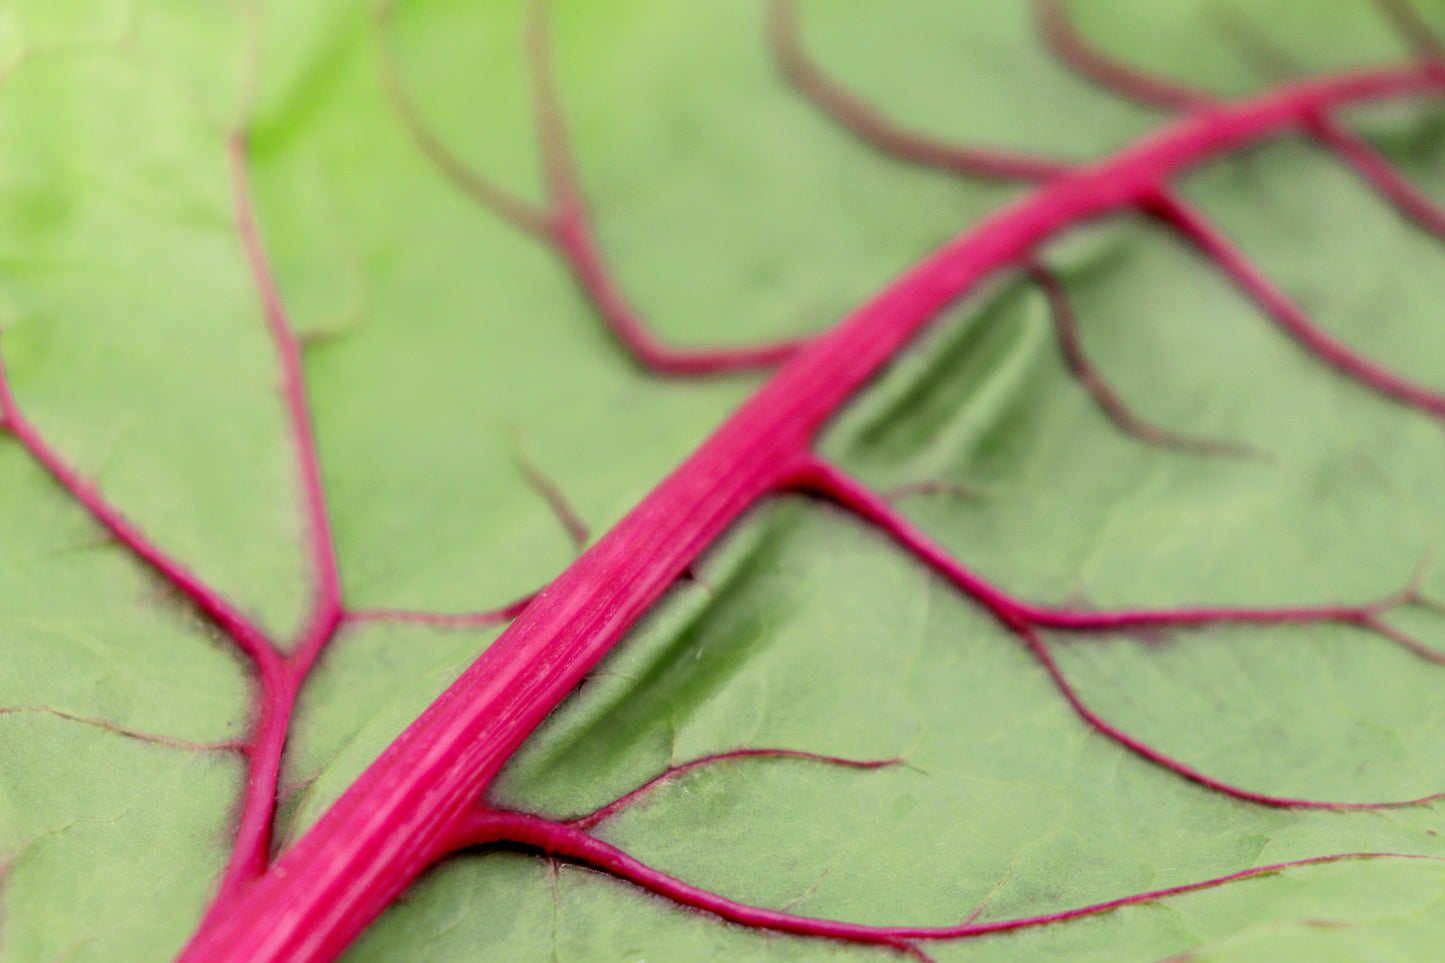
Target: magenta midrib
394, 821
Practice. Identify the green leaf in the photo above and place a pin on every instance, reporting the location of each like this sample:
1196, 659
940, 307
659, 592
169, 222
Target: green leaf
445, 348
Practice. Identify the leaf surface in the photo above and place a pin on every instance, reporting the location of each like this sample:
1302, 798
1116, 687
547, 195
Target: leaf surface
446, 352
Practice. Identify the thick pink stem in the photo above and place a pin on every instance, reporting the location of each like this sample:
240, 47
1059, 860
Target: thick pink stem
1066, 43
396, 818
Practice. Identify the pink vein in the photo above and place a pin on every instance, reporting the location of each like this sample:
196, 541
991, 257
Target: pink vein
277, 698
602, 813
870, 126
570, 232
1098, 387
380, 834
1022, 618
486, 827
822, 478
552, 494
230, 745
326, 610
249, 854
443, 619
1173, 211
1371, 165
565, 226
1170, 764
1063, 40
566, 515
240, 630
1415, 32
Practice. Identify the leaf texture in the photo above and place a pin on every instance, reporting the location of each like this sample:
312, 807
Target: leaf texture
450, 360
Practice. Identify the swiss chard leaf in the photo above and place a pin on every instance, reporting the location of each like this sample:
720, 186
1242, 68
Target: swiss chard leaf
448, 355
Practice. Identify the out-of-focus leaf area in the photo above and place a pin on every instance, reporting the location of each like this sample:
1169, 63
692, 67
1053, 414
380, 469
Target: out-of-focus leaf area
445, 352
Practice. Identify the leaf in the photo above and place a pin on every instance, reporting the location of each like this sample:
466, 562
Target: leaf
446, 351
